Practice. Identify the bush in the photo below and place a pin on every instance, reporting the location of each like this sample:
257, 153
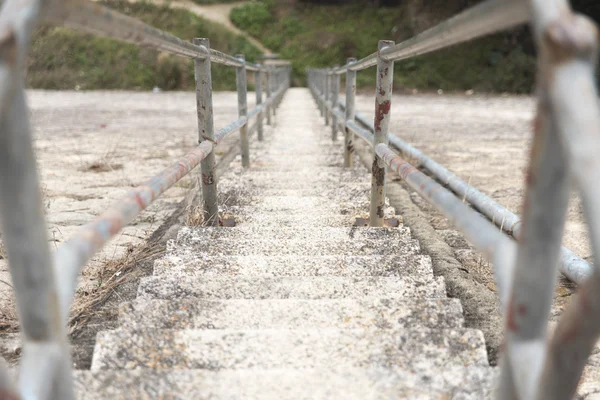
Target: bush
252, 17
203, 2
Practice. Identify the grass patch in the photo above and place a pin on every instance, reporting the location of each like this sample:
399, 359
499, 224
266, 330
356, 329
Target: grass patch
204, 2
64, 59
194, 215
112, 274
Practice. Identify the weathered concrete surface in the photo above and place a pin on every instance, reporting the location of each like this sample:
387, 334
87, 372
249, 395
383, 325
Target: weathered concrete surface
469, 383
294, 302
320, 287
292, 314
416, 348
193, 265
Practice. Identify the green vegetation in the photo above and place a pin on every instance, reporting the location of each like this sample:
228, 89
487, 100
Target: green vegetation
202, 2
324, 35
65, 59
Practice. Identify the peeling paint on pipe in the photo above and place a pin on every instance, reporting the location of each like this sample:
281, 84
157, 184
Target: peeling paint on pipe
76, 252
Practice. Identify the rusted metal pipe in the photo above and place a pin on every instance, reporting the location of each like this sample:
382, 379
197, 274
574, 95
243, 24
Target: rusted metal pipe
35, 278
269, 92
242, 92
327, 92
568, 97
93, 18
103, 21
496, 246
360, 132
483, 19
206, 132
572, 266
76, 252
258, 89
335, 93
383, 110
350, 100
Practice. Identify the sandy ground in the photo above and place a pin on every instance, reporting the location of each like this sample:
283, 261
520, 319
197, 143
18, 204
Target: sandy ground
93, 147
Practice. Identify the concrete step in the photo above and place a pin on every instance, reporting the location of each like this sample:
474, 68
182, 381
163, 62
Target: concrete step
291, 314
249, 216
286, 161
259, 287
238, 197
192, 264
304, 169
293, 178
450, 382
195, 235
307, 204
344, 191
274, 348
383, 241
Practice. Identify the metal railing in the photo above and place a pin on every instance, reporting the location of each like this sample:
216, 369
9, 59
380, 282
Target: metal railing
44, 283
535, 365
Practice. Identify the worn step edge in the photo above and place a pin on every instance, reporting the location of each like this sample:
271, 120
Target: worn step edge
458, 382
284, 348
318, 233
384, 245
193, 264
291, 314
267, 287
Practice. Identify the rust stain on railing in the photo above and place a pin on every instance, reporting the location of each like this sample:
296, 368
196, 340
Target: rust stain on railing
566, 137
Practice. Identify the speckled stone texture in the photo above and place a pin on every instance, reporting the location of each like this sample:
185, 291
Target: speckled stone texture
294, 302
291, 314
211, 349
192, 264
468, 383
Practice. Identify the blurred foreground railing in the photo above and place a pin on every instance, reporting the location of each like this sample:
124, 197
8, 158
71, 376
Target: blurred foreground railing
44, 285
566, 142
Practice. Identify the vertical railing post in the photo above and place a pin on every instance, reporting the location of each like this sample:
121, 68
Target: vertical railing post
269, 93
242, 92
350, 99
259, 120
204, 110
335, 93
45, 367
273, 84
383, 105
327, 91
320, 92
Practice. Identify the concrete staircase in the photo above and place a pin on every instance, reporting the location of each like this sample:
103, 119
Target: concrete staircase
294, 302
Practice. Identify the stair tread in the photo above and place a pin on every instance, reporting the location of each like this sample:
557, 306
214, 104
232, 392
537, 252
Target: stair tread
285, 348
193, 264
291, 313
378, 242
268, 287
191, 235
473, 383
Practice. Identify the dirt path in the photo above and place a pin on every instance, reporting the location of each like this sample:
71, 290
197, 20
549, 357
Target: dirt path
218, 13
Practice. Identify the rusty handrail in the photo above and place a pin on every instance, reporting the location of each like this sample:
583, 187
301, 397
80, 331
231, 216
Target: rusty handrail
567, 133
44, 285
